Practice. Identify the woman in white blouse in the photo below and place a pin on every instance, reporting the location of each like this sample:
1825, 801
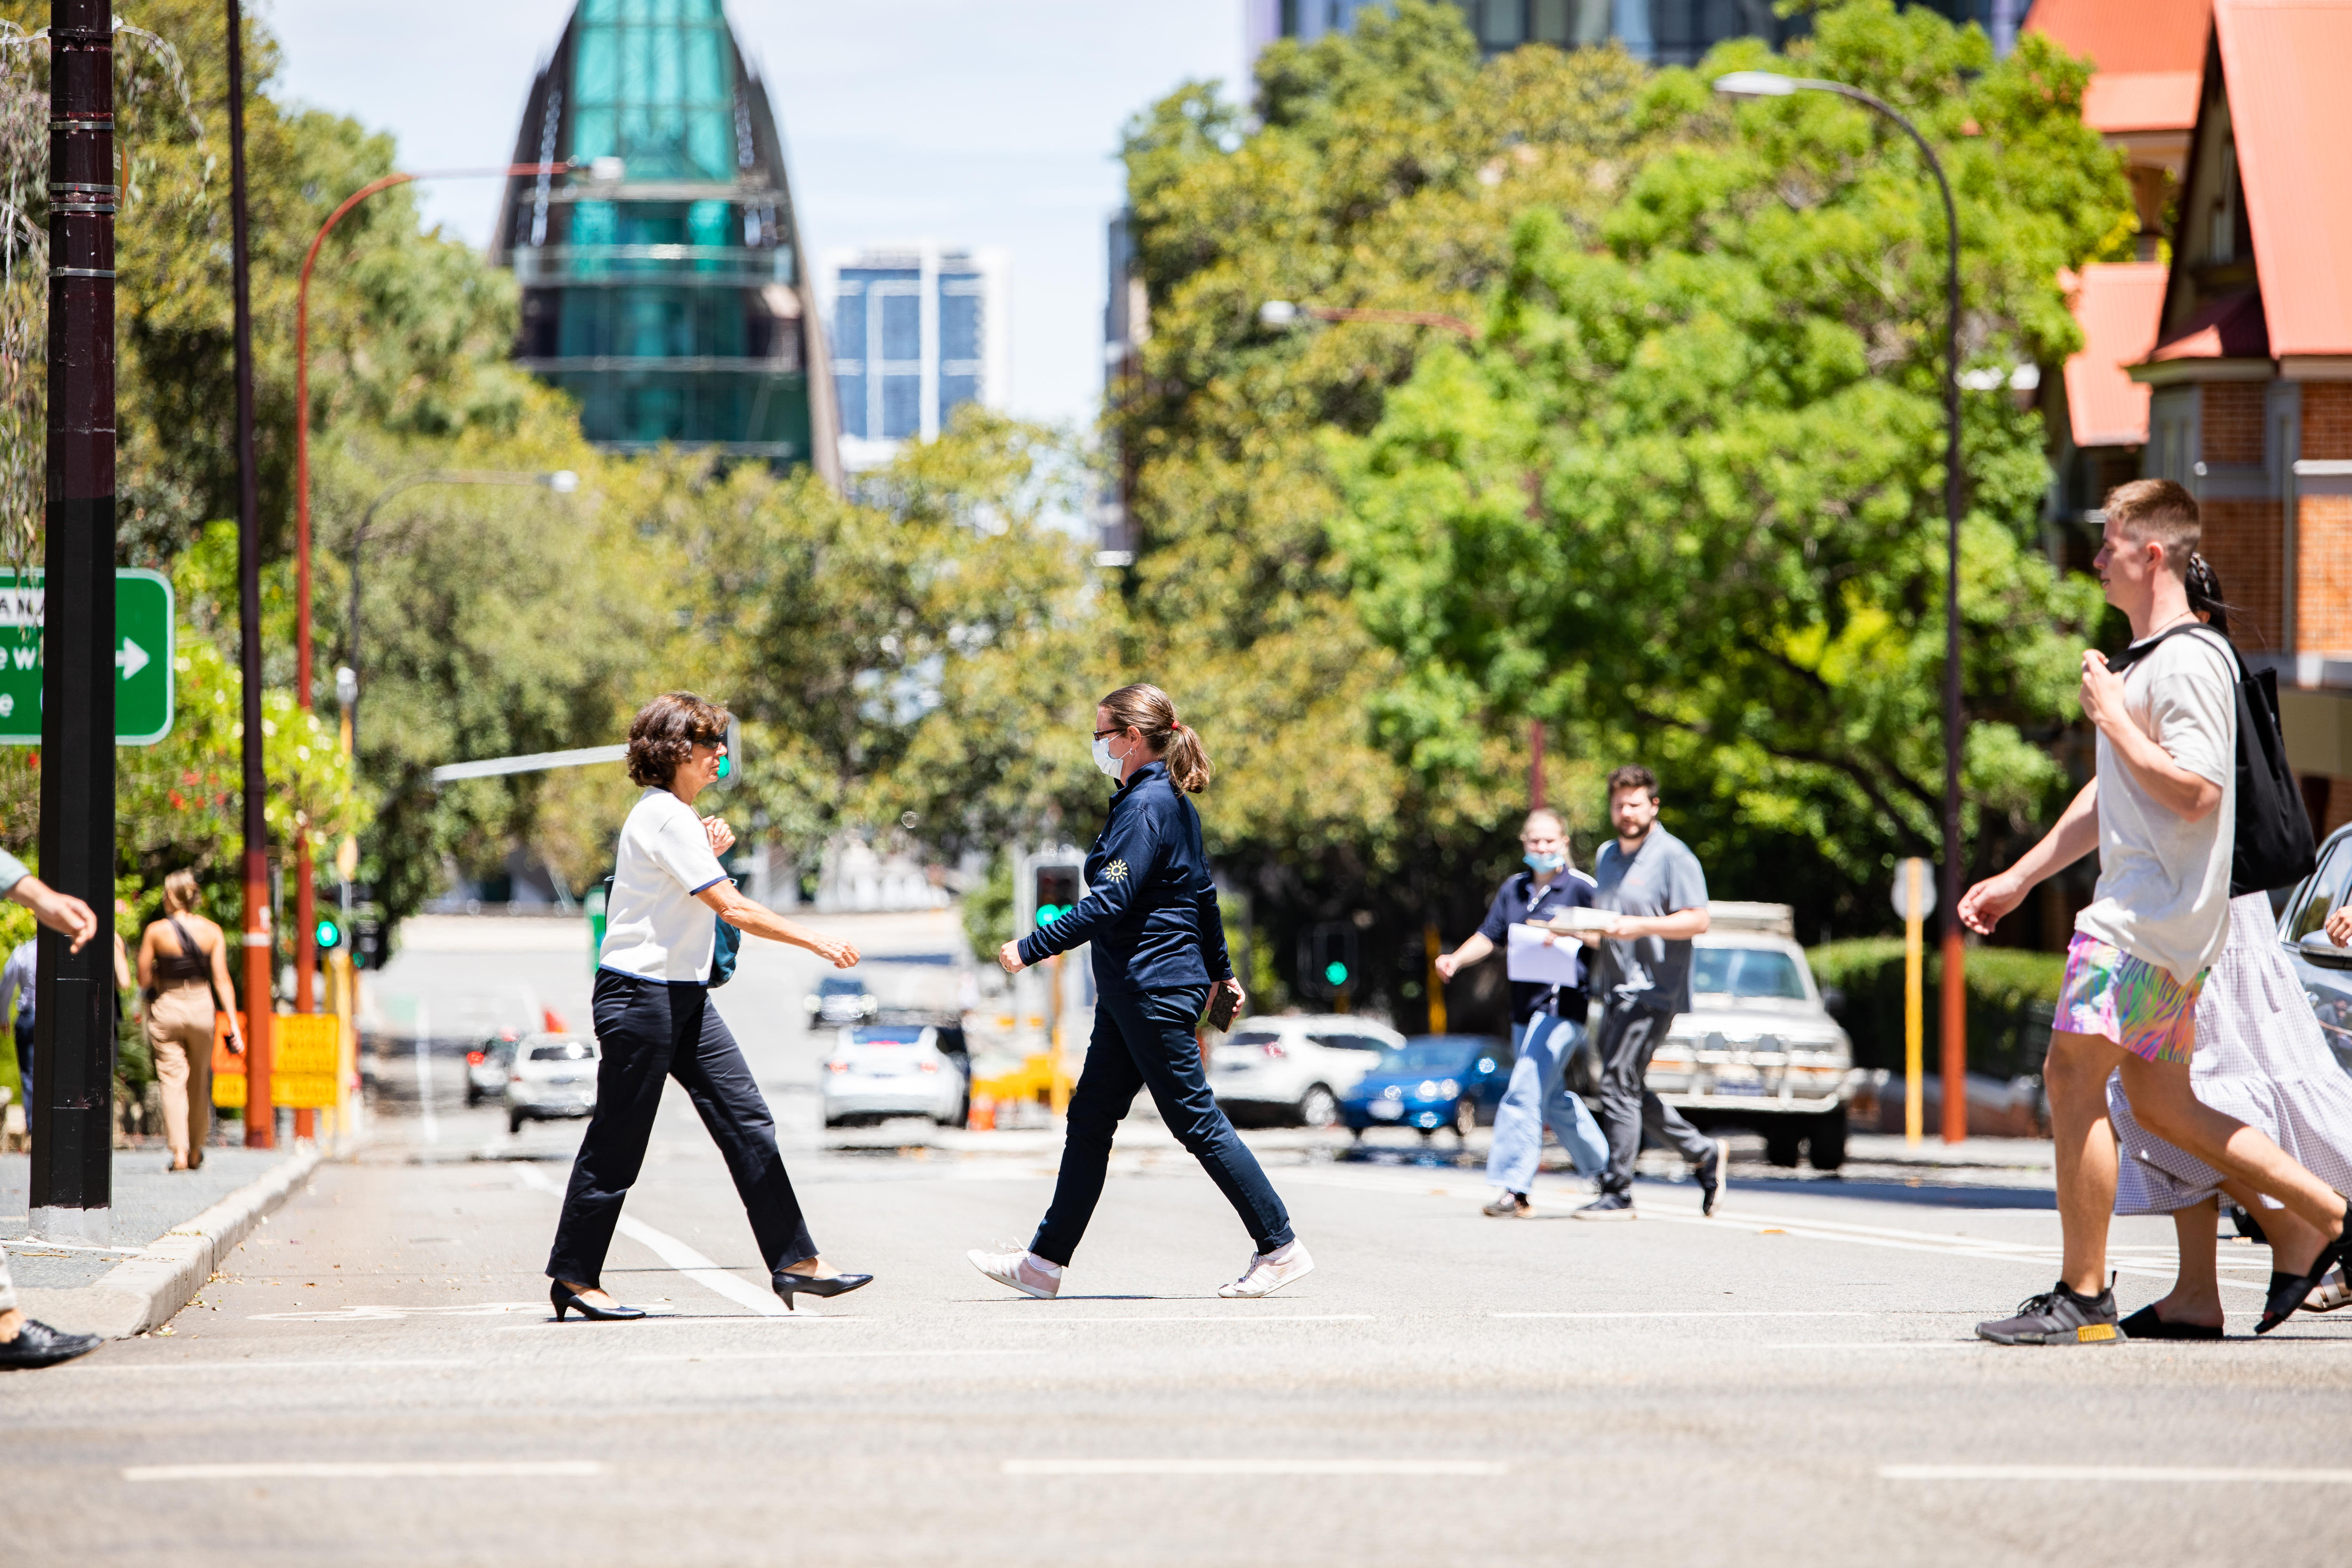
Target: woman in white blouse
653, 1019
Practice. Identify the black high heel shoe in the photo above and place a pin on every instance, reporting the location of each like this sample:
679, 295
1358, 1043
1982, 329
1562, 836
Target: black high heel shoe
791, 1285
566, 1299
2290, 1291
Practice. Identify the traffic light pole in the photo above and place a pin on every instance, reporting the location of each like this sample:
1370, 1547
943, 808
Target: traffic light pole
72, 1118
260, 1111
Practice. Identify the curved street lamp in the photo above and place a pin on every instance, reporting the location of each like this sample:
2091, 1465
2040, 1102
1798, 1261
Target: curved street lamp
1772, 84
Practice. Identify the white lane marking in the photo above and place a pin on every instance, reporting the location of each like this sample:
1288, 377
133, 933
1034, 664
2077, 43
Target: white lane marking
366, 1469
83, 1368
675, 1253
814, 1356
1697, 1314
1879, 1345
1045, 1322
365, 1314
1743, 1220
1255, 1468
2162, 1475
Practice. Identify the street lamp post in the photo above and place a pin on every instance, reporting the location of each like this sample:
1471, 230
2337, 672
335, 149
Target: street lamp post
1770, 84
562, 481
306, 925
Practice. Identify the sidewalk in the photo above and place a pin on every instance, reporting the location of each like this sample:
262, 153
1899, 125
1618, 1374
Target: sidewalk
170, 1231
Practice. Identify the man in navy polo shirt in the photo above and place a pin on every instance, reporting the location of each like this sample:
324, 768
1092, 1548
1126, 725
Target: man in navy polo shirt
1547, 1025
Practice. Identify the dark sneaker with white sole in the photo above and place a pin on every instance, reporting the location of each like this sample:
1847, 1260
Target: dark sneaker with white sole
2059, 1317
1608, 1205
1713, 1177
1509, 1205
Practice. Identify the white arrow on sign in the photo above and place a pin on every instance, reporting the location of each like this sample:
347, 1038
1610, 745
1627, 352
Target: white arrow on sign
131, 658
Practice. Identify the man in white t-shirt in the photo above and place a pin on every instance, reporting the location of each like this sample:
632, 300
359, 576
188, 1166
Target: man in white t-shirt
2161, 814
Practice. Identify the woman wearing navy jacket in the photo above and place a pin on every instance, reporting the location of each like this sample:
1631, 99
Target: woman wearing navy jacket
1151, 912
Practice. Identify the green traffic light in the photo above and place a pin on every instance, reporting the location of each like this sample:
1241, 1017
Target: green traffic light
1336, 973
328, 934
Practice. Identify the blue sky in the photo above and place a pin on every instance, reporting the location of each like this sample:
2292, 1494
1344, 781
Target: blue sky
981, 122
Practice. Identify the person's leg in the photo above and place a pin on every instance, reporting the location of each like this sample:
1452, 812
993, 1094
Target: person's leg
2075, 1075
711, 1070
635, 1039
1106, 1085
1621, 1066
2169, 1109
1160, 1040
1564, 1110
1511, 1159
198, 1043
172, 1073
1662, 1121
2195, 1293
2294, 1242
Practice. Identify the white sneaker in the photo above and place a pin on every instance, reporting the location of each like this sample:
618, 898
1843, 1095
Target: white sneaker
1022, 1271
1269, 1272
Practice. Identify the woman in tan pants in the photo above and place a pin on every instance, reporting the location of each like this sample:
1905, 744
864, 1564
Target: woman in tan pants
183, 970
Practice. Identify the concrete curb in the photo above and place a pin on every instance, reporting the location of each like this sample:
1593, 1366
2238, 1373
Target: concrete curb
143, 1292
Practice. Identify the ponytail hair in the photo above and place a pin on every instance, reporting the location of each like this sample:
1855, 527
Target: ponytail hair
1152, 712
2204, 586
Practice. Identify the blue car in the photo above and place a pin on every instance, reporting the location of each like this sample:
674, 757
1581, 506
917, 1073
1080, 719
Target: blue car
1432, 1081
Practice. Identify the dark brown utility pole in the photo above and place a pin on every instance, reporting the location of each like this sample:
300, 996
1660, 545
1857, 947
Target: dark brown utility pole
71, 1117
260, 1115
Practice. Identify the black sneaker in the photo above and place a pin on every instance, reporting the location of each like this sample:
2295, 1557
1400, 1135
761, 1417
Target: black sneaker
1712, 1177
1608, 1205
1509, 1205
2058, 1317
37, 1344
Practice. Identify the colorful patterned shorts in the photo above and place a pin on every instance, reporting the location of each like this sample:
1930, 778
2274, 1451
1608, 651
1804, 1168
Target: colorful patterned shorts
2137, 1004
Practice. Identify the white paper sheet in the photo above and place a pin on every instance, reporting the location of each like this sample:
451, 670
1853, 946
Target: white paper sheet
1533, 961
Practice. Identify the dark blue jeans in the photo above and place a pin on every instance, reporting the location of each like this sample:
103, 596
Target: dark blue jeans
1145, 1040
649, 1030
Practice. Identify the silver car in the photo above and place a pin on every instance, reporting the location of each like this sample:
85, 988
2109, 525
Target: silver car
552, 1076
1757, 1049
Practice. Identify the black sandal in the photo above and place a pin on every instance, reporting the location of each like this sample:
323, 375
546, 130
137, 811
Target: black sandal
2290, 1291
2145, 1324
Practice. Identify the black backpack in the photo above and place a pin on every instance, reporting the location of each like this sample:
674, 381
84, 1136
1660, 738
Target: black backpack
2276, 848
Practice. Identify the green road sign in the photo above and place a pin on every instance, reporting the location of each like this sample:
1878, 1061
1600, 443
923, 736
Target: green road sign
143, 657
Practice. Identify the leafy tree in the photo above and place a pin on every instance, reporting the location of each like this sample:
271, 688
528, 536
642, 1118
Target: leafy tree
1386, 169
1684, 497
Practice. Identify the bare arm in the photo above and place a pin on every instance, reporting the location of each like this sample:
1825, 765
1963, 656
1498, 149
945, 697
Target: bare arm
758, 919
58, 911
147, 958
1680, 926
1451, 964
2191, 796
224, 993
2075, 836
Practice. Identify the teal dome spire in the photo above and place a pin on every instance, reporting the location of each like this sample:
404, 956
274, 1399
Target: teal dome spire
664, 279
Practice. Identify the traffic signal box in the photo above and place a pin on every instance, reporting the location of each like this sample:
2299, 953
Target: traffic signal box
1056, 889
1327, 965
307, 1050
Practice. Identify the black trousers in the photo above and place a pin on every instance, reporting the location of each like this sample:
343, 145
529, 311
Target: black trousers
1145, 1040
1624, 1042
649, 1030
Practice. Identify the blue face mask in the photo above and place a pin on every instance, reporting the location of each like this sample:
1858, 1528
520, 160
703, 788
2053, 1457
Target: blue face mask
1545, 862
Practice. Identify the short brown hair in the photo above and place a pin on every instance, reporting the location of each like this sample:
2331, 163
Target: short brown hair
2158, 511
1633, 775
1558, 822
1145, 708
662, 736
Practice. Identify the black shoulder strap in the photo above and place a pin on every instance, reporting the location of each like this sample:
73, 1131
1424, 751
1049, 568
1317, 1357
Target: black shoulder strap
2137, 651
188, 947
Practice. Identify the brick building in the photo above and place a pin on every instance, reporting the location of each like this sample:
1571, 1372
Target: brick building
2250, 380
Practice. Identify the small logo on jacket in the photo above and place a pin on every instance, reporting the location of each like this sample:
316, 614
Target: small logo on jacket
1114, 872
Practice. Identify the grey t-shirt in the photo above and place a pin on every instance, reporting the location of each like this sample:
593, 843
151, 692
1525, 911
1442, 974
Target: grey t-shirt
1662, 877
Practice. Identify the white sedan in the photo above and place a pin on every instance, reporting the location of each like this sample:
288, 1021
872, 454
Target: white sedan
892, 1070
1295, 1068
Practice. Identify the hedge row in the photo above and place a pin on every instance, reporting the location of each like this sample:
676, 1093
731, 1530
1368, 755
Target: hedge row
2011, 996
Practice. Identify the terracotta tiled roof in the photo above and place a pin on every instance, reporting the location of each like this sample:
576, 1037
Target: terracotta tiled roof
2283, 61
2117, 306
2128, 36
2231, 326
2120, 102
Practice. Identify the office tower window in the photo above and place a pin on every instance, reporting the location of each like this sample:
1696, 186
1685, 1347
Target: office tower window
917, 332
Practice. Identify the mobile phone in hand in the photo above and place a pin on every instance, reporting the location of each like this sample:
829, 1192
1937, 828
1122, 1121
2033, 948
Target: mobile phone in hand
1221, 1004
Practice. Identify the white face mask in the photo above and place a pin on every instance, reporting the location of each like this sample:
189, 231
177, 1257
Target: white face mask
1103, 759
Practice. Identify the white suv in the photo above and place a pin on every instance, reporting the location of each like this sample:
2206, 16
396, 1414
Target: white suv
1295, 1068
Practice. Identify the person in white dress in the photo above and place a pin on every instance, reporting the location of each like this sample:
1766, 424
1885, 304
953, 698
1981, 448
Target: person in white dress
2260, 1058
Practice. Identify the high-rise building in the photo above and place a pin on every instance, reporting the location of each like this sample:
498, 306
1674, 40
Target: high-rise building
1665, 32
918, 332
662, 278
